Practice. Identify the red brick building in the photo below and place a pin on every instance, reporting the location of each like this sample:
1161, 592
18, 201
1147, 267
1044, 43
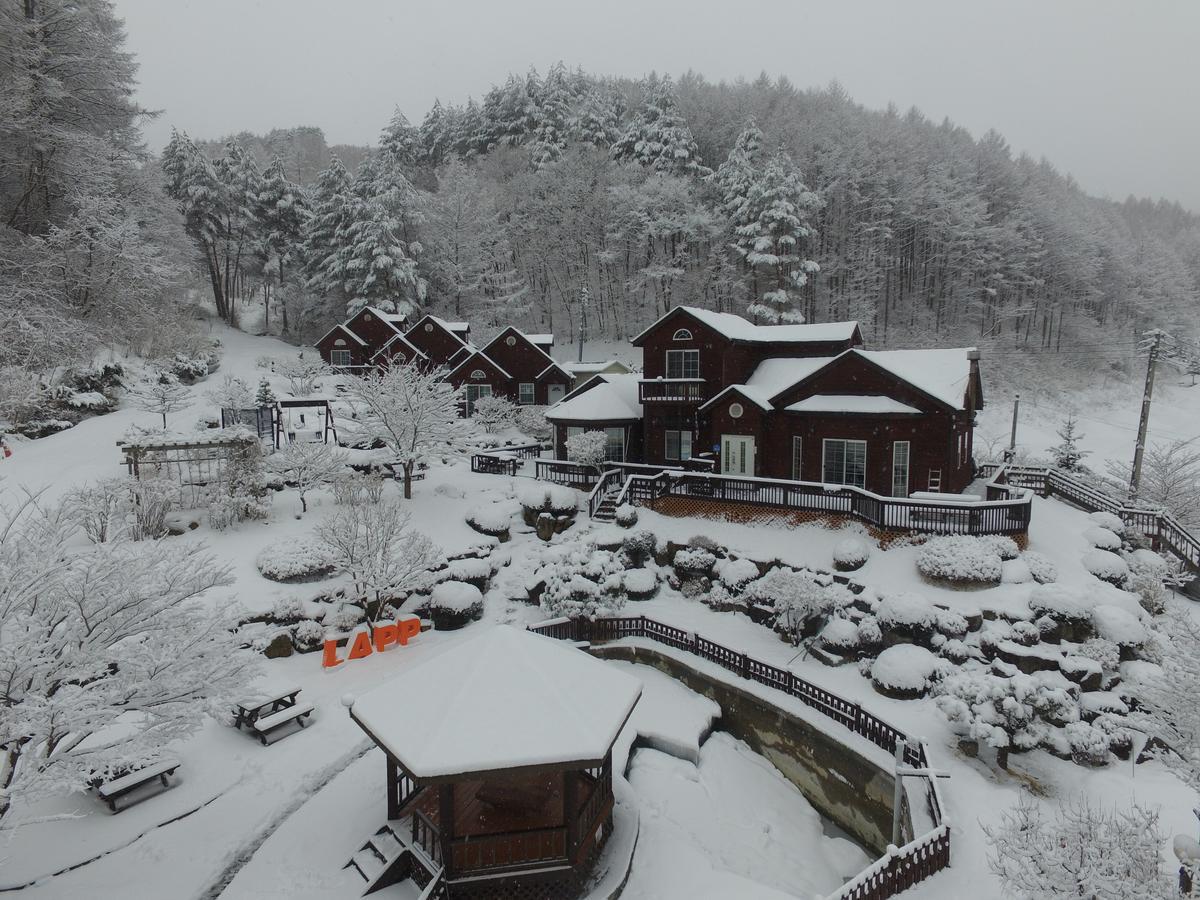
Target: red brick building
797, 402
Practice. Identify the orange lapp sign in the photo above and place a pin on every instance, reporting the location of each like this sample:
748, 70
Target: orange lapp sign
362, 645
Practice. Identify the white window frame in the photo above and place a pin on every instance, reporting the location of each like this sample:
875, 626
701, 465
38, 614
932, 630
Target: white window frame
846, 442
524, 400
479, 390
797, 457
907, 465
684, 356
609, 454
682, 335
683, 444
341, 358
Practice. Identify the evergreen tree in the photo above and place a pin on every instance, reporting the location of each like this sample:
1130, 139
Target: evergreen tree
282, 214
658, 138
511, 111
771, 228
735, 177
332, 203
242, 183
434, 133
264, 396
552, 118
595, 120
400, 143
1067, 455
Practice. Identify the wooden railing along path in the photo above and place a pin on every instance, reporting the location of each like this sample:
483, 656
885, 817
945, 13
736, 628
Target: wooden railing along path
901, 867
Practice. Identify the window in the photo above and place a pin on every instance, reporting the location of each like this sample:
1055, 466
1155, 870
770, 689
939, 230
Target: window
478, 373
615, 450
525, 393
844, 462
429, 326
683, 363
340, 342
900, 468
510, 341
797, 447
736, 410
340, 358
682, 335
474, 392
678, 444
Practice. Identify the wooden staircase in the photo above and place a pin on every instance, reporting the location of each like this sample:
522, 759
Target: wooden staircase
385, 858
607, 510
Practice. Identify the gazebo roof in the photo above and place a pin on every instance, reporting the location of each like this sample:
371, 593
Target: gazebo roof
507, 699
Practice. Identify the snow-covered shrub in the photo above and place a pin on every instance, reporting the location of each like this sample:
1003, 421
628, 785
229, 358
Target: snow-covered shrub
344, 617
905, 671
1040, 567
1109, 521
454, 603
1001, 544
588, 448
538, 498
960, 558
639, 584
1116, 853
150, 501
493, 519
839, 635
1101, 537
1147, 573
850, 554
189, 369
295, 559
694, 561
869, 632
907, 614
356, 487
99, 508
286, 610
626, 515
494, 413
950, 623
1119, 626
472, 570
799, 600
531, 422
639, 546
1106, 566
1063, 604
1103, 651
1026, 633
583, 582
1015, 571
308, 635
1017, 711
704, 542
957, 652
735, 574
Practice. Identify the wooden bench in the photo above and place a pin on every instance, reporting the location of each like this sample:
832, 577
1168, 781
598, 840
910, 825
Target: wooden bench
264, 725
119, 787
247, 711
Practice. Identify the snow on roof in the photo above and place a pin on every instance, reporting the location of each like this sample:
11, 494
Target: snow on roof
481, 355
592, 368
738, 329
850, 403
540, 339
341, 326
943, 374
453, 327
613, 399
398, 337
504, 699
773, 375
390, 318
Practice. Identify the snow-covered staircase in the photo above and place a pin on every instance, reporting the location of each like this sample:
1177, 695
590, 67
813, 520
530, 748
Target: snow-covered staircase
607, 510
384, 859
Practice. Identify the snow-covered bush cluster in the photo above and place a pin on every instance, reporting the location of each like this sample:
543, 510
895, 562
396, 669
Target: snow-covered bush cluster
494, 413
295, 559
538, 498
1106, 566
626, 515
906, 671
694, 561
453, 604
851, 554
493, 519
735, 574
582, 581
959, 558
800, 600
531, 422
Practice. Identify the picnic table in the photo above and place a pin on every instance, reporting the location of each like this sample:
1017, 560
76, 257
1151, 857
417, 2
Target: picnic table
264, 716
111, 791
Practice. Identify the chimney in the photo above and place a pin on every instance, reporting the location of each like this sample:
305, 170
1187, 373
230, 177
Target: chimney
974, 379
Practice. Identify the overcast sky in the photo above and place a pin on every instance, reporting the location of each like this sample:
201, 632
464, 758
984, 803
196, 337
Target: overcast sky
1106, 89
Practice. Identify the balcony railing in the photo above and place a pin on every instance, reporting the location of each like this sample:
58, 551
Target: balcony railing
673, 390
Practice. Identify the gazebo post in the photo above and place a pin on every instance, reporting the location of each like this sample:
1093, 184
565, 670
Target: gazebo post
446, 822
570, 791
393, 788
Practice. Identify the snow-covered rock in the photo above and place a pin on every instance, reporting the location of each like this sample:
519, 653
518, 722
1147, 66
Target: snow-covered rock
735, 574
1042, 568
850, 554
905, 671
906, 613
1119, 625
639, 584
494, 519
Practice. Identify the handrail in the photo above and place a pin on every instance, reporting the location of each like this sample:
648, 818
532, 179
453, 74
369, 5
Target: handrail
600, 491
899, 868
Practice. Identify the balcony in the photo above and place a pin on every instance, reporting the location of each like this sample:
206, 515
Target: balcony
672, 390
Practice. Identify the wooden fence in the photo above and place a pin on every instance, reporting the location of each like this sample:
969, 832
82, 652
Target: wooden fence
1008, 513
1164, 530
901, 867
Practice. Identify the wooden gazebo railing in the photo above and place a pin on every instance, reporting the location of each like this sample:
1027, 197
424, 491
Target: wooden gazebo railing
901, 867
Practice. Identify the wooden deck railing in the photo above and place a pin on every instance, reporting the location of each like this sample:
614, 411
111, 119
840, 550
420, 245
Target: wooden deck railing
427, 836
608, 481
1009, 515
494, 853
1164, 530
898, 870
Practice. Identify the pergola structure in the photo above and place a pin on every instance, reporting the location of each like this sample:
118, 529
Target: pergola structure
499, 762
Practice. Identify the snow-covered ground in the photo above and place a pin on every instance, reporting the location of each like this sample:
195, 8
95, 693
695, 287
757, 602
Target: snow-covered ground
248, 821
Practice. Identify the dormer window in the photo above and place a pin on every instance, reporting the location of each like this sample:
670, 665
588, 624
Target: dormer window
682, 335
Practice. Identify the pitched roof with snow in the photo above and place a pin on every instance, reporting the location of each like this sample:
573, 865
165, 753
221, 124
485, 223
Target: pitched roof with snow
602, 398
738, 329
341, 326
944, 374
454, 327
851, 403
592, 368
477, 354
541, 340
505, 699
393, 319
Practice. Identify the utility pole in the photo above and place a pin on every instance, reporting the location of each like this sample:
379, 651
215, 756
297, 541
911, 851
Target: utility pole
1011, 453
1139, 450
583, 306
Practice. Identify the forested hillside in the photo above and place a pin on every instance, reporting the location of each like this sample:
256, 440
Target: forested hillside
554, 198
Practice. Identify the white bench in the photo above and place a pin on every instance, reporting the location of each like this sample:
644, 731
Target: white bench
264, 725
119, 787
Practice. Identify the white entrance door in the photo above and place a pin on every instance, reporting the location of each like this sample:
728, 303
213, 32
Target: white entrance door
737, 454
554, 393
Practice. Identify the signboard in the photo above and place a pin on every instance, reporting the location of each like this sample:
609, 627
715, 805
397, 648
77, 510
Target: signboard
362, 644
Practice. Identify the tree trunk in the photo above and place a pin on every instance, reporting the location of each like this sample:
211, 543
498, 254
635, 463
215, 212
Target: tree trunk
408, 470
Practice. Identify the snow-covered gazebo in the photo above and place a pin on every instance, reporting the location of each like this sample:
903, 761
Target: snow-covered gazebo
499, 761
